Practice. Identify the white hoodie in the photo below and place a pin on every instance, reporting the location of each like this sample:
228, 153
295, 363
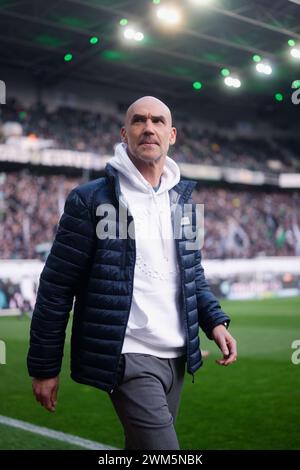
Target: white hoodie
155, 324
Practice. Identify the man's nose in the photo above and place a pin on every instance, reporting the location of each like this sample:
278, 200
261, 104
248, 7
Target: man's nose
148, 128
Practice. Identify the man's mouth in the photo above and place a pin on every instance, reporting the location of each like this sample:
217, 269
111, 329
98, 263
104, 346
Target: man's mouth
148, 143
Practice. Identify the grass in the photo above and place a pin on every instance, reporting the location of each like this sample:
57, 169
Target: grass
12, 438
253, 404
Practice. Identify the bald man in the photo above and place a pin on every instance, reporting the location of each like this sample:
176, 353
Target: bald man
139, 287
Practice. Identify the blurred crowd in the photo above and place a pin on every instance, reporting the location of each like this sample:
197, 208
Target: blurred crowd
238, 224
80, 130
30, 206
247, 224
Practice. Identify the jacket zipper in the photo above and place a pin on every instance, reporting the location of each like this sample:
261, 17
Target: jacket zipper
177, 201
117, 192
128, 312
184, 307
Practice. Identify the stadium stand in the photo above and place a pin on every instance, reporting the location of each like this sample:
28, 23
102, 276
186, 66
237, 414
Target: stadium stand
81, 130
238, 223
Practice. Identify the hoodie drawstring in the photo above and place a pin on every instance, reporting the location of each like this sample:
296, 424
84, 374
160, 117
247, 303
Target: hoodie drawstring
161, 230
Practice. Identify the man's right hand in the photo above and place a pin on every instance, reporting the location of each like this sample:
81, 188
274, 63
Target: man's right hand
45, 392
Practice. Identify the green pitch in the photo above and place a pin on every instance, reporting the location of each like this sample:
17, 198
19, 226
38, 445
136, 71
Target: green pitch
254, 404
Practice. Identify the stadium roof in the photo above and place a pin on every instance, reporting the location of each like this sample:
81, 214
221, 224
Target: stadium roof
38, 36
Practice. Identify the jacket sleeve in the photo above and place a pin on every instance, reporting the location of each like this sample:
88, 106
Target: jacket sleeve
69, 256
210, 313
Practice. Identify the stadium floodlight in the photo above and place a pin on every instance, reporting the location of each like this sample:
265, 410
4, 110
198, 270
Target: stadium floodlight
197, 85
228, 81
68, 57
264, 67
225, 72
232, 82
138, 36
94, 40
169, 15
296, 84
278, 96
133, 35
295, 52
256, 58
201, 2
236, 83
129, 33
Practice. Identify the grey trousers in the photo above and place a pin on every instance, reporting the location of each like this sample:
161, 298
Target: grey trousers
147, 399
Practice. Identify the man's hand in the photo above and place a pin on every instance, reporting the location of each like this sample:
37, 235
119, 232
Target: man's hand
226, 343
45, 391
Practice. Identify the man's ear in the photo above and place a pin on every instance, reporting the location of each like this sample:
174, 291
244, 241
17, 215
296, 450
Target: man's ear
173, 135
124, 135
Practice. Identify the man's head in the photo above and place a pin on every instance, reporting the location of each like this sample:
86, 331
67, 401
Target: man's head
148, 129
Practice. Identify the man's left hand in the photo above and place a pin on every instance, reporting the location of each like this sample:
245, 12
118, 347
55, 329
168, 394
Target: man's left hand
226, 343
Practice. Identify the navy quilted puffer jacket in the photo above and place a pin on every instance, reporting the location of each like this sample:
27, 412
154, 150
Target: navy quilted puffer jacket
99, 274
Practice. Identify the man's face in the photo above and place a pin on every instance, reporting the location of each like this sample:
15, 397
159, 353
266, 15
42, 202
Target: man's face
148, 130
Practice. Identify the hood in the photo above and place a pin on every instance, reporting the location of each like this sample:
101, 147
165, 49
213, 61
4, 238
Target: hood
122, 163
